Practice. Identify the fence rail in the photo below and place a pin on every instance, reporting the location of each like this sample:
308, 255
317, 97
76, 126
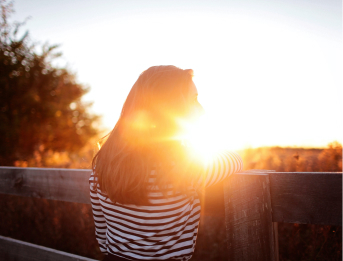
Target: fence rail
254, 202
12, 249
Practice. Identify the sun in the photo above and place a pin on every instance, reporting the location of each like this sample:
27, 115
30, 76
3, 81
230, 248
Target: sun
202, 137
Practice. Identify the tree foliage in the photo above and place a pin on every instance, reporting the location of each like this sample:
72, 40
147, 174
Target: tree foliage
40, 104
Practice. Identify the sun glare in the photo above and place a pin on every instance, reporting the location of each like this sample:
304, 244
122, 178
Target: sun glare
202, 138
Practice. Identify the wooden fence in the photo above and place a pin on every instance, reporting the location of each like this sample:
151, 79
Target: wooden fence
252, 202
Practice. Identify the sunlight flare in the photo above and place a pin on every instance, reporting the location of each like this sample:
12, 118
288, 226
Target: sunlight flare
202, 137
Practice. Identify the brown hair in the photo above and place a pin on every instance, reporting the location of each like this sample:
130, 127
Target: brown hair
142, 140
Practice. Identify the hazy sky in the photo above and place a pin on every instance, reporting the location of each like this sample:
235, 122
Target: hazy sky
268, 72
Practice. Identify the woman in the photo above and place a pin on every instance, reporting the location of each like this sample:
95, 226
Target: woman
145, 179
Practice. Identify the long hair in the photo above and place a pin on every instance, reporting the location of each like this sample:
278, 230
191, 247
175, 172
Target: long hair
144, 138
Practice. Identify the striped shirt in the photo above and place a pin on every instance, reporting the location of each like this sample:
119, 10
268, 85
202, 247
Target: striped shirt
166, 228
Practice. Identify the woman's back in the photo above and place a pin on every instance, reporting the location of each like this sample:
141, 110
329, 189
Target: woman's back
164, 228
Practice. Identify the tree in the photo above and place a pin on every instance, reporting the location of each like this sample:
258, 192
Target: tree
40, 104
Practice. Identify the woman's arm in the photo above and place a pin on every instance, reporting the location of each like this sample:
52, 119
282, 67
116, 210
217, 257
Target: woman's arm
99, 219
220, 167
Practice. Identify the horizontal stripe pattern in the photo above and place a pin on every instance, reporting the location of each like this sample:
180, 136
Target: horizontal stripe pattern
166, 228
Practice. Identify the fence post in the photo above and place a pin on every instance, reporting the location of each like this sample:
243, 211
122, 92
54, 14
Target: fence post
248, 217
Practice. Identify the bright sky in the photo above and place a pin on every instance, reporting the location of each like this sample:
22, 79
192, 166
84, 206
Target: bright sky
268, 72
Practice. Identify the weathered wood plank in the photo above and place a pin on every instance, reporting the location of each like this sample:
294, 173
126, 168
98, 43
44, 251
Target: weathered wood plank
248, 218
212, 200
16, 250
276, 240
58, 184
307, 198
72, 185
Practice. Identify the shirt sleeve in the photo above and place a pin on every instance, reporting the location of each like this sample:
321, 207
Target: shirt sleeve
219, 168
99, 219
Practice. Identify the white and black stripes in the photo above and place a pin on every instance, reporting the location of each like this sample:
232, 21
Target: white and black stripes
166, 228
